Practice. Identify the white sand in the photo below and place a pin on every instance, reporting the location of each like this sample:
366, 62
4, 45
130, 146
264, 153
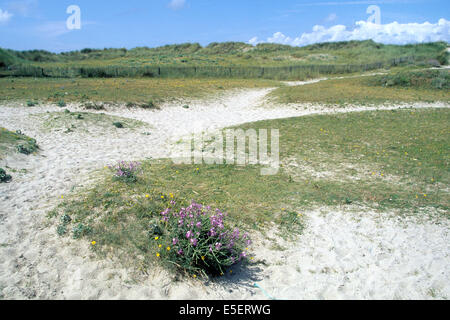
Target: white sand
343, 253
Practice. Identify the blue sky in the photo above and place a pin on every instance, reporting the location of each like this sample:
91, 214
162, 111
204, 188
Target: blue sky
40, 24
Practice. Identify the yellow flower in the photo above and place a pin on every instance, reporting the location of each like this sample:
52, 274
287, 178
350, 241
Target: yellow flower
156, 238
162, 197
417, 197
158, 255
195, 276
147, 196
62, 197
203, 258
93, 243
283, 209
160, 246
168, 248
425, 195
171, 195
197, 169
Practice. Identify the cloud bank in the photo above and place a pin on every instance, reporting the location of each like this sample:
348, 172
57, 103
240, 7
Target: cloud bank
391, 33
5, 16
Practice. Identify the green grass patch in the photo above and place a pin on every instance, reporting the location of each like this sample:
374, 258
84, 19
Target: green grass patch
142, 92
85, 122
367, 90
384, 159
16, 142
430, 79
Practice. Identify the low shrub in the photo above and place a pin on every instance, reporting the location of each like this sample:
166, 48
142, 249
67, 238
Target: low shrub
28, 148
4, 177
61, 103
118, 125
31, 103
433, 79
80, 230
125, 171
197, 240
149, 105
94, 106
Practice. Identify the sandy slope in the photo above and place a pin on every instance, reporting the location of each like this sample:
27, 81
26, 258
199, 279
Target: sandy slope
342, 254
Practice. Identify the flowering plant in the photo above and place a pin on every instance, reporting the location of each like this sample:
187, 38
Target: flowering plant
198, 241
126, 171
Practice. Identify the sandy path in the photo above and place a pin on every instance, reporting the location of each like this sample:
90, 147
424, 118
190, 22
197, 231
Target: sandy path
395, 259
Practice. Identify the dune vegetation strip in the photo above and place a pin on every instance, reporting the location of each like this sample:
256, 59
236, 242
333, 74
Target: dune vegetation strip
16, 142
119, 90
68, 122
402, 86
383, 160
221, 60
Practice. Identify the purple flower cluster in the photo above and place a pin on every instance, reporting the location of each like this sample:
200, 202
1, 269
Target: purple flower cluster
198, 232
125, 169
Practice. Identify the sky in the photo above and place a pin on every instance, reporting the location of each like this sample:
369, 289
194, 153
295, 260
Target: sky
42, 24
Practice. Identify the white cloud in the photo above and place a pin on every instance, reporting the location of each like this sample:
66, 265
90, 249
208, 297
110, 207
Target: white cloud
177, 4
278, 37
391, 33
253, 41
331, 17
5, 16
24, 8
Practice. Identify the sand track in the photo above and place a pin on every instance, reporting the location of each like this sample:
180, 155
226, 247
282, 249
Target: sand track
350, 253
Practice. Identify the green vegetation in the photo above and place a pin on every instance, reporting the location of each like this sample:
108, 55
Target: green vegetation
429, 79
406, 86
140, 92
379, 159
382, 159
16, 142
7, 58
61, 104
4, 177
222, 60
85, 121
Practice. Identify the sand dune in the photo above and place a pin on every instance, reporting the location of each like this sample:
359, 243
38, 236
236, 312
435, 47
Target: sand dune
351, 253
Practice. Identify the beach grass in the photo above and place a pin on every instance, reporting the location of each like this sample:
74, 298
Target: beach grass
119, 90
85, 121
12, 141
366, 90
